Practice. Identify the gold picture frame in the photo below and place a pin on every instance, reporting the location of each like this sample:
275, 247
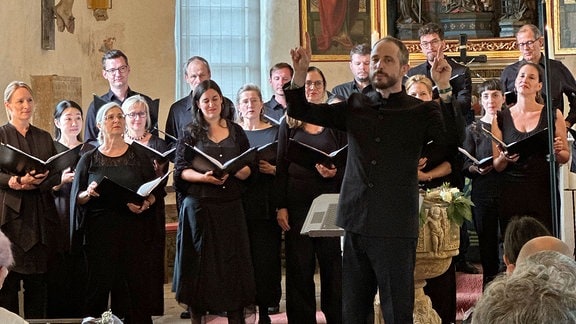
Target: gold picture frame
563, 26
364, 27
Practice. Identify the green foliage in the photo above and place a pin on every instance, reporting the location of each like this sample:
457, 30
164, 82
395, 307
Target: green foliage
459, 204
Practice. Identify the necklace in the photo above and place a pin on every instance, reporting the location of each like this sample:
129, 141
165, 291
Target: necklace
138, 138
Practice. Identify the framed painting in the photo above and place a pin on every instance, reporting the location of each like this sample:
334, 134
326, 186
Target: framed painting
564, 26
336, 26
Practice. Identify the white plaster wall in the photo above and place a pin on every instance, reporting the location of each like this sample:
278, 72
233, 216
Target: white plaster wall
144, 30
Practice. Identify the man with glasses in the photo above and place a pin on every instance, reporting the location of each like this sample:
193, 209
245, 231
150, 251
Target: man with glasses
530, 41
431, 38
116, 70
442, 289
360, 68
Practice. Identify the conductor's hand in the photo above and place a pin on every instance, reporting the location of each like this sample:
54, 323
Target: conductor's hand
441, 70
301, 57
282, 218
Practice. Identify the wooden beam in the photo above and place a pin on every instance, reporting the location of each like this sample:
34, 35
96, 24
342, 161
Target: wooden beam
48, 25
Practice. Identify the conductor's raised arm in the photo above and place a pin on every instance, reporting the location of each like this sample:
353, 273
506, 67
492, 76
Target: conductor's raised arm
301, 57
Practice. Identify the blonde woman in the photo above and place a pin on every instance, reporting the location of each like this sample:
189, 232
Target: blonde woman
29, 216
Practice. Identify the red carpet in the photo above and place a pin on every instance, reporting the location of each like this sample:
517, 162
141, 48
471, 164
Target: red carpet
468, 290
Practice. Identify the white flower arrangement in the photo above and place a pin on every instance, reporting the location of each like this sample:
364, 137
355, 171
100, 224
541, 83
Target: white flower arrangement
459, 204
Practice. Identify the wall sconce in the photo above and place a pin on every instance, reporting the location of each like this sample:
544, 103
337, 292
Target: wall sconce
100, 8
99, 4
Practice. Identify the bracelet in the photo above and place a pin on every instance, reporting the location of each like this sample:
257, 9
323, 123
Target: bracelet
443, 91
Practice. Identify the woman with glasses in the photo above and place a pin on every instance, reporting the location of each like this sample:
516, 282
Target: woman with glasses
138, 122
297, 187
28, 214
115, 236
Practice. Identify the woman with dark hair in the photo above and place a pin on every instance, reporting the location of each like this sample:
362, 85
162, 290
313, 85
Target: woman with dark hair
297, 186
265, 235
526, 179
27, 213
115, 236
485, 183
213, 268
65, 276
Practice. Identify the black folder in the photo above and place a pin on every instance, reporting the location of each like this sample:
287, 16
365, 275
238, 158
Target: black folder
267, 152
155, 154
18, 162
482, 163
203, 162
535, 143
308, 156
114, 193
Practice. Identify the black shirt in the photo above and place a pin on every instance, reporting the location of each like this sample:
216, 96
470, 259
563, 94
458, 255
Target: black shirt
379, 195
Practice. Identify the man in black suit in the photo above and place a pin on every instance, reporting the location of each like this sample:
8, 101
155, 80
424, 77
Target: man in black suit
431, 38
196, 70
378, 205
115, 69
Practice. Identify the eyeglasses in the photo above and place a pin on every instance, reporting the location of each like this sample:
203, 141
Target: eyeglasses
431, 43
112, 117
133, 115
528, 44
318, 84
121, 69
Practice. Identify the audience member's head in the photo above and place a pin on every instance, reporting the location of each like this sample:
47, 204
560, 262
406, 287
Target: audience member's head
542, 243
542, 291
6, 258
519, 231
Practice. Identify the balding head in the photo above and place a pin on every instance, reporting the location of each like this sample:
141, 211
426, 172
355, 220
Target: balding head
543, 243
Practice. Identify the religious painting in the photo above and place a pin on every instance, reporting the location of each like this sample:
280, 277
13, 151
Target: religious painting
564, 26
335, 26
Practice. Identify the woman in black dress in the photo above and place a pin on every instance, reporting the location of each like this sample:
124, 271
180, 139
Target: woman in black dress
115, 235
297, 188
28, 215
485, 182
526, 179
66, 276
213, 266
265, 235
138, 123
